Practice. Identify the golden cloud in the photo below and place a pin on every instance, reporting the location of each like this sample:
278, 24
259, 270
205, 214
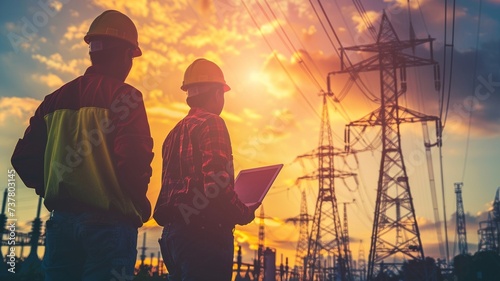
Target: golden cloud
360, 24
163, 112
50, 80
134, 8
18, 108
226, 115
250, 114
311, 30
403, 4
56, 62
76, 32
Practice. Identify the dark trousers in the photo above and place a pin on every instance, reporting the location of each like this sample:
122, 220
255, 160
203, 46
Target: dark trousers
194, 253
89, 247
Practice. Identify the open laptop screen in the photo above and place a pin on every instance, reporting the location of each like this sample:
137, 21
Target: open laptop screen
252, 185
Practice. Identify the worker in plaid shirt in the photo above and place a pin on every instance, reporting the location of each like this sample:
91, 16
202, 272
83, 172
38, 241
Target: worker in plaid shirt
197, 204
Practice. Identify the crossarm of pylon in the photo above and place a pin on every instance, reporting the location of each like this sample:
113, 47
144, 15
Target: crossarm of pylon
371, 119
406, 116
364, 65
388, 46
403, 60
411, 116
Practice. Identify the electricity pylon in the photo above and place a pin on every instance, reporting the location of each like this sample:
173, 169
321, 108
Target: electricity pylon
487, 235
303, 222
496, 217
461, 229
395, 234
361, 261
346, 240
326, 237
261, 249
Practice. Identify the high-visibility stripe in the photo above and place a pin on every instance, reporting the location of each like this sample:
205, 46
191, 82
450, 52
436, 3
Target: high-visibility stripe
78, 160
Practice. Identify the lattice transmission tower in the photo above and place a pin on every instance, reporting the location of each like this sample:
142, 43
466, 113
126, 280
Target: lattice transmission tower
303, 222
461, 228
487, 235
346, 240
496, 217
325, 241
259, 268
489, 230
361, 261
395, 234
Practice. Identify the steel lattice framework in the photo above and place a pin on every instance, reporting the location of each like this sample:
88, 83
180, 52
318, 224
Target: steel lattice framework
461, 229
303, 232
496, 217
326, 237
395, 234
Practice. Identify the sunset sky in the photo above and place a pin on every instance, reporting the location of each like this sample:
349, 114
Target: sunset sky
276, 55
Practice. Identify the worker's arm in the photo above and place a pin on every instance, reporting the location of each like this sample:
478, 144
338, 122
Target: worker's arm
133, 148
218, 171
28, 156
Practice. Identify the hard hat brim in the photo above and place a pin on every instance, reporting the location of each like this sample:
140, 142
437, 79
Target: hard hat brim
136, 51
186, 87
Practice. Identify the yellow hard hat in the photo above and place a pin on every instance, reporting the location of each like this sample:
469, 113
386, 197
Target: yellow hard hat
113, 24
203, 71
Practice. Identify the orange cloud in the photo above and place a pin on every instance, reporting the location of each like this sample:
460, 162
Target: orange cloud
360, 24
134, 8
76, 32
17, 108
57, 62
50, 80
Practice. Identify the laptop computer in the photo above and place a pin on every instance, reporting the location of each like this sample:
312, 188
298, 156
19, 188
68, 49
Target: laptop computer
252, 185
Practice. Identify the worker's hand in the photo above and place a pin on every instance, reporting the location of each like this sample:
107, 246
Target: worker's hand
250, 216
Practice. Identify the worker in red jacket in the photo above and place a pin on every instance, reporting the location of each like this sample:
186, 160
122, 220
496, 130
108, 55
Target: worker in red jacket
197, 204
88, 151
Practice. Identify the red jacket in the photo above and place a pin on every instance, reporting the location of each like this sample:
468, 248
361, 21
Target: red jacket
89, 148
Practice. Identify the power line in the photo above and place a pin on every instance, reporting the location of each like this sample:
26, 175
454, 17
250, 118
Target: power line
423, 18
297, 37
280, 63
368, 23
370, 95
466, 154
365, 18
451, 45
294, 51
283, 66
353, 76
346, 88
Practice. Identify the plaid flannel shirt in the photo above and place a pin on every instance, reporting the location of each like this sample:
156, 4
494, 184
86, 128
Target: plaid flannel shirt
198, 173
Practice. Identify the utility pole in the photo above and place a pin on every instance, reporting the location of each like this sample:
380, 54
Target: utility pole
395, 234
143, 251
326, 235
36, 233
496, 217
461, 229
158, 264
361, 262
346, 233
260, 251
3, 217
32, 264
303, 222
